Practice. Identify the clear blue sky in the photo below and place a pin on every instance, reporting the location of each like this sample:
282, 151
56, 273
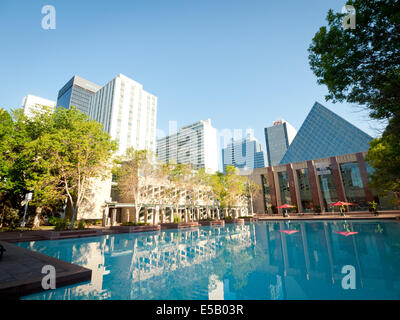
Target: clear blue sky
242, 63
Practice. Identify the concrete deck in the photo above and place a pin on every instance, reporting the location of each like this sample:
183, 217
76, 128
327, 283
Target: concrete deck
21, 272
348, 216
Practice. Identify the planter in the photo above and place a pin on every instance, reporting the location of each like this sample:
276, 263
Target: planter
212, 223
132, 229
237, 221
52, 235
179, 225
250, 219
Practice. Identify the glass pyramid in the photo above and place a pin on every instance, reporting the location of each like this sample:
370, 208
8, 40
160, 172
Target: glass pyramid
325, 134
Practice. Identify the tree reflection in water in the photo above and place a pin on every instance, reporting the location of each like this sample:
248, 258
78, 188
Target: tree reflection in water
251, 261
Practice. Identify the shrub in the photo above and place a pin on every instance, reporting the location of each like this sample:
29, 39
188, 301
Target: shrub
317, 209
177, 220
207, 219
11, 218
62, 224
93, 222
53, 220
134, 224
228, 218
81, 224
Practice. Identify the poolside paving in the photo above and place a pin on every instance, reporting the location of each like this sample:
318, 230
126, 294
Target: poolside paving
330, 216
21, 272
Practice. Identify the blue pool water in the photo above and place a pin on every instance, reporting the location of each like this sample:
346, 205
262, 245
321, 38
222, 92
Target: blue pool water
263, 260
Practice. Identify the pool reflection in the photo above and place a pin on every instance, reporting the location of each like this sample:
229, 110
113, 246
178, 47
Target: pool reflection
252, 261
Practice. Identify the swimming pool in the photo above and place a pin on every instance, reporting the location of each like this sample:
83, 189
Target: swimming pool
263, 260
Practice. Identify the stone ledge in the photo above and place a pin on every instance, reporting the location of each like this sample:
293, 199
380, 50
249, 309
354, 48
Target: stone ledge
21, 270
237, 221
132, 229
54, 235
179, 225
212, 223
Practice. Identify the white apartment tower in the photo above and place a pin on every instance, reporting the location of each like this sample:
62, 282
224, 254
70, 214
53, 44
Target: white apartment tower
32, 104
127, 112
194, 144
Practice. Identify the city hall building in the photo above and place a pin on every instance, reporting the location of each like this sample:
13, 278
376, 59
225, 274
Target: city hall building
314, 184
324, 164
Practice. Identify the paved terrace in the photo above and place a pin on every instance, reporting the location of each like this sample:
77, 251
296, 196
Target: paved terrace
21, 272
330, 216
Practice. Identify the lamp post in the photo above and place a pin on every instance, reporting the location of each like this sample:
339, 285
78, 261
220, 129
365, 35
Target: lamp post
28, 197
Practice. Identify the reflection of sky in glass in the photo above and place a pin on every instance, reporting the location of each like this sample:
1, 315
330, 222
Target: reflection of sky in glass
254, 261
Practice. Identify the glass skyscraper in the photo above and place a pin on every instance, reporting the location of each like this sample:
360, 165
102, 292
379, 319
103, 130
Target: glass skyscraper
243, 154
277, 140
77, 92
325, 134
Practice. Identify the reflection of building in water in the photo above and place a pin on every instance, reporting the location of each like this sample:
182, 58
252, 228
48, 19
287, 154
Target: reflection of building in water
215, 288
276, 289
154, 256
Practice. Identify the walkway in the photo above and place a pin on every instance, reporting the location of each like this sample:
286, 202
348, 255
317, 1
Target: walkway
21, 272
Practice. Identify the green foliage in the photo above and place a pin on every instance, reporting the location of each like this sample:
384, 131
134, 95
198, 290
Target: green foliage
228, 218
372, 206
207, 219
93, 222
229, 188
134, 224
62, 224
81, 224
317, 209
55, 154
384, 157
11, 218
362, 65
177, 220
73, 150
53, 220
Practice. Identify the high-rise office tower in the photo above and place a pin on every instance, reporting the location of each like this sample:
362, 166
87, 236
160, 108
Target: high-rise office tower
245, 153
127, 112
32, 103
324, 134
194, 144
277, 140
77, 92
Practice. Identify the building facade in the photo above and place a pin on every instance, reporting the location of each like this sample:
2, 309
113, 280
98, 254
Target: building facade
277, 140
314, 184
325, 134
77, 92
127, 112
33, 104
245, 153
195, 144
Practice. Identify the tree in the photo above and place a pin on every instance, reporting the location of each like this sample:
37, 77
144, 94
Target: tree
135, 172
70, 155
16, 172
229, 187
361, 65
251, 189
384, 157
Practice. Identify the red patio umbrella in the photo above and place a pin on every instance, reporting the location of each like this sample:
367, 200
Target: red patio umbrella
285, 206
340, 203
